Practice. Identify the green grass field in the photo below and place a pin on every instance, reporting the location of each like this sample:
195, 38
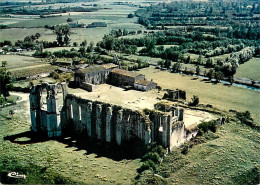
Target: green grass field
250, 69
231, 156
218, 95
16, 61
51, 161
15, 34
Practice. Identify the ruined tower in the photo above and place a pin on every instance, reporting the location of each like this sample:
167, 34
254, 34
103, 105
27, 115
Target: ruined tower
46, 108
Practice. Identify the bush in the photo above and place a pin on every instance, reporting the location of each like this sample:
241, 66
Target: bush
206, 126
194, 101
245, 118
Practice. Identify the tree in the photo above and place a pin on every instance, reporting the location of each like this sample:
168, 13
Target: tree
82, 51
176, 67
130, 15
90, 47
194, 101
84, 43
75, 44
167, 64
69, 20
62, 31
4, 63
199, 61
210, 74
37, 35
198, 70
210, 62
5, 82
187, 60
218, 76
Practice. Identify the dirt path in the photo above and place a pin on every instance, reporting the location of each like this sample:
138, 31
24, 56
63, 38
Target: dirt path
25, 103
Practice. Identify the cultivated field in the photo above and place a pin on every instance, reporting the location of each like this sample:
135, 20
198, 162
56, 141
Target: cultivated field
220, 96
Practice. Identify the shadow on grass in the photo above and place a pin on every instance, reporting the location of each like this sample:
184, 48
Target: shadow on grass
130, 150
30, 138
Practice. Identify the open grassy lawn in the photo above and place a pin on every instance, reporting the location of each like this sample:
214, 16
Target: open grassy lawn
218, 95
17, 61
52, 161
231, 156
250, 69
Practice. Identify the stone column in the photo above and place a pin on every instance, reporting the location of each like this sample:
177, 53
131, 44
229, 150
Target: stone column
119, 127
148, 135
33, 105
98, 120
181, 115
89, 112
84, 117
53, 119
164, 134
108, 124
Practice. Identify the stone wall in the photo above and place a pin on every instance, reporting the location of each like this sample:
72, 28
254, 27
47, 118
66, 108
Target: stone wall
104, 122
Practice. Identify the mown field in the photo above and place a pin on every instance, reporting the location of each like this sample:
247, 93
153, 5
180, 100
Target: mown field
220, 96
250, 69
51, 161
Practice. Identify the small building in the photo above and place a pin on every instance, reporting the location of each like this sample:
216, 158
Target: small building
97, 24
75, 24
144, 85
122, 77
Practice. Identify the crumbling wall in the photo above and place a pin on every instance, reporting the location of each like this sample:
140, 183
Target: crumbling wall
104, 122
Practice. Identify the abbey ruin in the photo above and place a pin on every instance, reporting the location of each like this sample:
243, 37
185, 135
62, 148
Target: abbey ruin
103, 122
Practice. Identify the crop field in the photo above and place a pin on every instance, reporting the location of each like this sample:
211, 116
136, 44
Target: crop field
53, 161
16, 61
220, 96
250, 69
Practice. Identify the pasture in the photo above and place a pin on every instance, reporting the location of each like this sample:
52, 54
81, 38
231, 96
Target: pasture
250, 69
220, 96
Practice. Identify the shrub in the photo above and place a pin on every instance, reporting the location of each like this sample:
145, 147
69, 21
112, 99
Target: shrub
194, 101
206, 126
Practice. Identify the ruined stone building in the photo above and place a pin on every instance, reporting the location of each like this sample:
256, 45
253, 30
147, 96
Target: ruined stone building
103, 122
